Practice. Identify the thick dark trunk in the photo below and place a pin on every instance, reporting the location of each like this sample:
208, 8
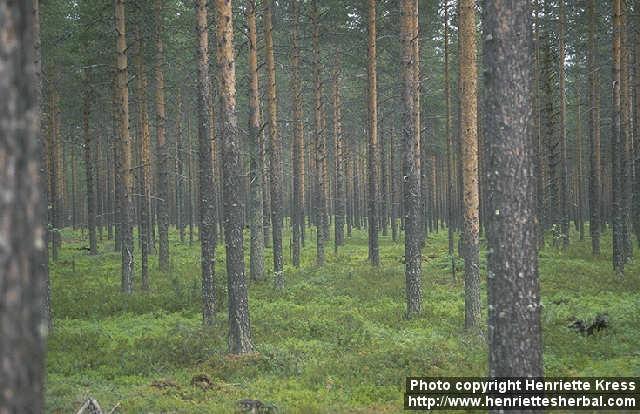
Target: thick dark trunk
22, 209
239, 322
515, 340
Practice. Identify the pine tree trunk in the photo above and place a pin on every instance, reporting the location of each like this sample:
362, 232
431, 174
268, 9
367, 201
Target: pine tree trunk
162, 147
239, 325
206, 189
256, 252
126, 182
320, 150
43, 257
579, 195
89, 166
372, 193
297, 214
275, 146
515, 343
144, 137
595, 185
617, 146
449, 137
626, 137
469, 138
180, 171
339, 162
564, 172
22, 209
411, 154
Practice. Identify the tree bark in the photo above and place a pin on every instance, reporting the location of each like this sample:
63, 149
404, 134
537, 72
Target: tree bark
449, 137
564, 169
411, 154
297, 213
256, 251
162, 147
339, 162
89, 166
469, 139
144, 138
372, 193
515, 343
275, 147
22, 348
595, 184
126, 181
239, 325
617, 146
205, 171
320, 148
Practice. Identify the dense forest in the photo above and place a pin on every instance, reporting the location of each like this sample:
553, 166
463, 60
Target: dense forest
293, 205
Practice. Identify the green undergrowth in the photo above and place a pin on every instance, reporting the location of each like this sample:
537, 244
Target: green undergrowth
334, 341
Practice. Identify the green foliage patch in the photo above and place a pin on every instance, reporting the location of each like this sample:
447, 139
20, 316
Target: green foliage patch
335, 340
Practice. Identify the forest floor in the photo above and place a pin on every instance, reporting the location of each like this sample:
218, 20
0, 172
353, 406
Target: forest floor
334, 341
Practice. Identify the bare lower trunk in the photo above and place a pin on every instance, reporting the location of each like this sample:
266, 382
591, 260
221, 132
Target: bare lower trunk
126, 182
205, 179
411, 154
256, 251
469, 138
515, 342
239, 325
22, 208
275, 146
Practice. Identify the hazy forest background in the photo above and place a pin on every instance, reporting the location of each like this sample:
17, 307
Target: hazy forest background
303, 202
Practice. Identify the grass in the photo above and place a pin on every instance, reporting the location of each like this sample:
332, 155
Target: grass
335, 341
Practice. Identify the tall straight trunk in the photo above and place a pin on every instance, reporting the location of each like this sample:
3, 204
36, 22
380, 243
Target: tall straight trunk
256, 251
396, 186
43, 251
100, 187
206, 188
564, 172
411, 154
319, 136
636, 129
339, 163
515, 340
22, 345
384, 179
595, 185
372, 193
144, 141
275, 147
347, 155
470, 179
89, 166
180, 177
626, 133
449, 137
538, 136
239, 325
326, 184
73, 194
190, 180
55, 174
297, 214
617, 146
126, 181
579, 195
162, 151
552, 137
110, 185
